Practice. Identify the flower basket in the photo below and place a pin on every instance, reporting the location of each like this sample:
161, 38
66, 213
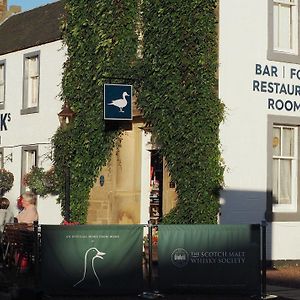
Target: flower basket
51, 182
41, 182
6, 181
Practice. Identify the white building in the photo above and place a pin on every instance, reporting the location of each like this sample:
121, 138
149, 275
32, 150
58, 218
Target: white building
259, 82
31, 60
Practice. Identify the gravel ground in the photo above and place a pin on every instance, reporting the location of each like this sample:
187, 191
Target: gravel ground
285, 275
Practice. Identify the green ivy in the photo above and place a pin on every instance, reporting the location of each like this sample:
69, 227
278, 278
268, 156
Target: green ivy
179, 98
177, 92
101, 42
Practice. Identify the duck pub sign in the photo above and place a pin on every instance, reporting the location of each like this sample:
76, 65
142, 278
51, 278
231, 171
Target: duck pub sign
117, 102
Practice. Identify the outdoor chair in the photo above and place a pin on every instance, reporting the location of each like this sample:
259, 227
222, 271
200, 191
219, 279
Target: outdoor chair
18, 243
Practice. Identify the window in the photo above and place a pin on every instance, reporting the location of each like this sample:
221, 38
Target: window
284, 172
2, 84
283, 201
1, 158
31, 83
283, 30
29, 160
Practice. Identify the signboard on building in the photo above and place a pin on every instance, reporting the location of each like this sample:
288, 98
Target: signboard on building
117, 102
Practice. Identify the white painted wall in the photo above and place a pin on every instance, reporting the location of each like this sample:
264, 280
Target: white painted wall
36, 128
243, 44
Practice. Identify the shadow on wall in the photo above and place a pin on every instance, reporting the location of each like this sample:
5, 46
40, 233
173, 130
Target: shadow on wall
245, 207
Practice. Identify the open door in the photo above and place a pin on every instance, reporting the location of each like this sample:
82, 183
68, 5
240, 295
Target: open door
156, 187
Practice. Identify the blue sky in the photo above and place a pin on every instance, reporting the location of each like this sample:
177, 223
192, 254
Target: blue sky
29, 4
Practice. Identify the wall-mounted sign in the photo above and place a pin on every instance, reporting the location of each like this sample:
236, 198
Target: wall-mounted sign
117, 102
280, 84
4, 119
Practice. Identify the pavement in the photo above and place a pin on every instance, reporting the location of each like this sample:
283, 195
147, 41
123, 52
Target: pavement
15, 286
283, 292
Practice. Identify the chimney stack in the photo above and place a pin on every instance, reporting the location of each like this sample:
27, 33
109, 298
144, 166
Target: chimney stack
3, 9
4, 13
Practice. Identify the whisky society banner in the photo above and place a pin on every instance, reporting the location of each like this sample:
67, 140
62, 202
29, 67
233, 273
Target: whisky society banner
89, 259
222, 257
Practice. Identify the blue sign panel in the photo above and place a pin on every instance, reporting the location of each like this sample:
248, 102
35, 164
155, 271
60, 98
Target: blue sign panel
117, 102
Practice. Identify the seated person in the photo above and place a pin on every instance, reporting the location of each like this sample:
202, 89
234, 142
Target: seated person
6, 214
29, 214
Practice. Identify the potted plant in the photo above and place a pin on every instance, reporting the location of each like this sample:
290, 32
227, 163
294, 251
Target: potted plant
6, 181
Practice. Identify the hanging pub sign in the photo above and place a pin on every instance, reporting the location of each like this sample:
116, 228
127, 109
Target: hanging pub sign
117, 102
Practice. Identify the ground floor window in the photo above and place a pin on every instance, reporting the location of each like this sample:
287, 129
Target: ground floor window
283, 168
1, 158
29, 160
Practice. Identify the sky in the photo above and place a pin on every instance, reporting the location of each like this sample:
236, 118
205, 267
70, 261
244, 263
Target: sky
29, 4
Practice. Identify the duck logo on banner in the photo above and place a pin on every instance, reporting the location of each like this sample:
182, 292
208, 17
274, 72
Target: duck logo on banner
89, 271
117, 102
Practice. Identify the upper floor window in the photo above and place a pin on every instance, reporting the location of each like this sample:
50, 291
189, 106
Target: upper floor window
31, 83
2, 84
283, 30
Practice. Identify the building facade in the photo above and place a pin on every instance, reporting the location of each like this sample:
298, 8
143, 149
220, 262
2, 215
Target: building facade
259, 83
31, 60
133, 188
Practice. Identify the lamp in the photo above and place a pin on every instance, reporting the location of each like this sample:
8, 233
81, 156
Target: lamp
65, 117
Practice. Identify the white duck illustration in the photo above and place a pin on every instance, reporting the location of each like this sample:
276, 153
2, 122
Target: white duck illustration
121, 103
96, 254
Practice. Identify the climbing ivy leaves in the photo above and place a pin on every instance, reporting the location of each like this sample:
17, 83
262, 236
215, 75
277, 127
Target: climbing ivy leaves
170, 48
101, 41
179, 98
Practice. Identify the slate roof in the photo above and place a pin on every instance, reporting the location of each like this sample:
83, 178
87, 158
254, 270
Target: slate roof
31, 28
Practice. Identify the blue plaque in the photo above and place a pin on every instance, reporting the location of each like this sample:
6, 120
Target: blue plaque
117, 102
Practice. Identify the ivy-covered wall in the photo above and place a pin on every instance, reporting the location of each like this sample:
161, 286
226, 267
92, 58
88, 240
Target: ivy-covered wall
179, 98
101, 41
176, 86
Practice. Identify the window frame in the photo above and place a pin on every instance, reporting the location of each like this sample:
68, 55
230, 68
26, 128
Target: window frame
3, 62
24, 162
34, 109
293, 160
276, 212
1, 157
280, 55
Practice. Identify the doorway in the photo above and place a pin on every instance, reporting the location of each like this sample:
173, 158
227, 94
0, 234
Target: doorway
156, 187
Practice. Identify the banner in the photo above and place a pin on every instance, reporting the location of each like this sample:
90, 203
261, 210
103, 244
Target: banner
91, 259
218, 257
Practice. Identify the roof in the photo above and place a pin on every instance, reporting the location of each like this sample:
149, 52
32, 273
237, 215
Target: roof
31, 28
